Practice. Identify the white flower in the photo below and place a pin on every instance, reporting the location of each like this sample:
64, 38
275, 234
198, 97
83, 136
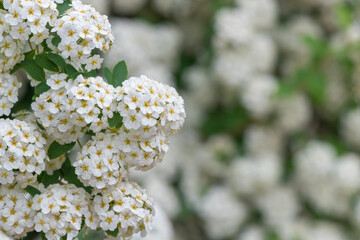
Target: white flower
100, 163
16, 212
24, 150
131, 212
60, 209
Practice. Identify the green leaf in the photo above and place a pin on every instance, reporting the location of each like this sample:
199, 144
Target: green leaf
90, 133
113, 233
70, 175
230, 120
43, 237
90, 74
56, 40
115, 121
82, 234
56, 149
119, 74
41, 88
47, 179
35, 72
344, 15
32, 190
71, 71
317, 46
58, 60
107, 74
314, 82
30, 55
43, 61
2, 6
62, 8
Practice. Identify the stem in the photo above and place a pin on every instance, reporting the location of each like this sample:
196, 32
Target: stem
30, 45
37, 49
79, 143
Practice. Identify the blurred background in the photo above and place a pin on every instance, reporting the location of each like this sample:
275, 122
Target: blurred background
271, 143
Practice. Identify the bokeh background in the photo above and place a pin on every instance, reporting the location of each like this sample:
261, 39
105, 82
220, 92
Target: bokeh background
270, 147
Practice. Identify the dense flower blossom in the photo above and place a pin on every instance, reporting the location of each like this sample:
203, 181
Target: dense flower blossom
125, 206
9, 88
82, 30
22, 152
16, 211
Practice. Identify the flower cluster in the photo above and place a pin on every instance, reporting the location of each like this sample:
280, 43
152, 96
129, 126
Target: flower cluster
82, 30
9, 88
22, 153
28, 20
56, 111
100, 163
11, 49
60, 210
16, 211
42, 188
147, 103
125, 206
70, 106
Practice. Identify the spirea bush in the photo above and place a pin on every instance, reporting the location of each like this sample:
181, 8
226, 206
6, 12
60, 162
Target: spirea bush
125, 123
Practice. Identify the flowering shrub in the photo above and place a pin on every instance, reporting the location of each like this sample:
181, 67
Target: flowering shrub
58, 43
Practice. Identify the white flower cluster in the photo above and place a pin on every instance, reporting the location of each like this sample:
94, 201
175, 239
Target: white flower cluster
70, 106
327, 181
254, 175
222, 212
176, 8
100, 163
245, 58
137, 42
125, 206
350, 128
30, 118
147, 103
9, 90
151, 112
29, 19
60, 211
22, 153
11, 50
16, 211
82, 30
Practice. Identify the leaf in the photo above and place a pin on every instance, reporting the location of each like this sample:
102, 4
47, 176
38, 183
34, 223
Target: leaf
35, 72
32, 190
70, 175
90, 133
62, 8
58, 60
56, 40
113, 233
71, 71
344, 15
82, 234
115, 121
30, 55
107, 74
90, 74
56, 149
43, 237
43, 61
41, 88
314, 83
230, 120
119, 74
47, 179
